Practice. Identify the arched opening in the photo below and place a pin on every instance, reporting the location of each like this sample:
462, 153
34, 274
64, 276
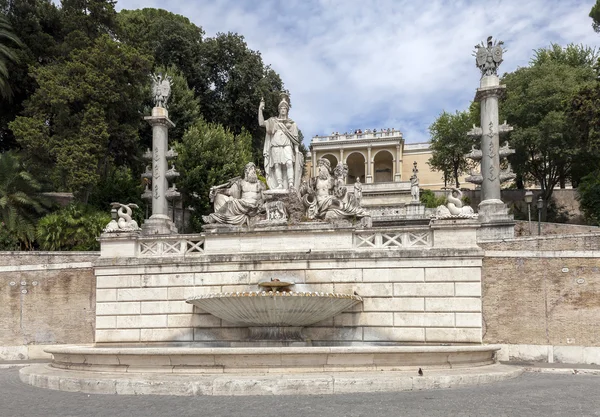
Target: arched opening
383, 167
332, 160
356, 167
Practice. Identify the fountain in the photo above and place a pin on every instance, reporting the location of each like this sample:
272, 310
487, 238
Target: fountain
179, 314
275, 315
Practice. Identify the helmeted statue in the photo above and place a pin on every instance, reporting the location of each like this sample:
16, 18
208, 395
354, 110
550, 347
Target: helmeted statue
326, 197
489, 57
161, 89
282, 158
237, 201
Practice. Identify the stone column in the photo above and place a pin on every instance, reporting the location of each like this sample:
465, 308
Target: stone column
342, 155
488, 95
398, 174
369, 178
159, 222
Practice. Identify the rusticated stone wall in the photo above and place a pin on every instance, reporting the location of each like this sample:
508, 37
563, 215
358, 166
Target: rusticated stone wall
45, 298
542, 291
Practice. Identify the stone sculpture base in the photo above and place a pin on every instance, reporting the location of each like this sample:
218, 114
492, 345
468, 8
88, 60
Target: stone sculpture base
158, 224
496, 222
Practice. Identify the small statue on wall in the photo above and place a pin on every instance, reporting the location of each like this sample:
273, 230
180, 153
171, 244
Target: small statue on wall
414, 185
455, 209
358, 190
122, 220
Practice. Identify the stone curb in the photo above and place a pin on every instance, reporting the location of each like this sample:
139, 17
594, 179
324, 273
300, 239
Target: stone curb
44, 376
562, 371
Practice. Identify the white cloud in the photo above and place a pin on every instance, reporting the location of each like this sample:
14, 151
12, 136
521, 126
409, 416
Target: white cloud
384, 63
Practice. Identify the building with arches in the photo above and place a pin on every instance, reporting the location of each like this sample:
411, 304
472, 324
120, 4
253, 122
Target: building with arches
382, 162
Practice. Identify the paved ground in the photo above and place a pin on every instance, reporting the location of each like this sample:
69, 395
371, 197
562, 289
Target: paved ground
529, 395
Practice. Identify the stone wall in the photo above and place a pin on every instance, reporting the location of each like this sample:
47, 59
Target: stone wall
544, 292
417, 286
46, 298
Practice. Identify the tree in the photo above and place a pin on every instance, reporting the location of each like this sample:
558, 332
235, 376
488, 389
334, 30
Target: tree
38, 24
8, 40
170, 38
595, 15
236, 80
226, 76
450, 143
536, 104
209, 155
21, 203
588, 195
85, 114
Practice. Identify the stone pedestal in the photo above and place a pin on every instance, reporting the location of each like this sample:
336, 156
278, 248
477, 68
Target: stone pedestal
119, 244
415, 210
159, 222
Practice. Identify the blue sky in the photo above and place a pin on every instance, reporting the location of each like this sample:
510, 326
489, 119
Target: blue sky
358, 64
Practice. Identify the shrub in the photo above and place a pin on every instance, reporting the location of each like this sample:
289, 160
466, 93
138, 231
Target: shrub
75, 227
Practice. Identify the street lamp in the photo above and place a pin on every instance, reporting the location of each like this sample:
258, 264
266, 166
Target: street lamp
529, 200
540, 206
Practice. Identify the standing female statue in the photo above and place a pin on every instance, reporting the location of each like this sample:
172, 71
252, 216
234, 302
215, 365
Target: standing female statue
281, 147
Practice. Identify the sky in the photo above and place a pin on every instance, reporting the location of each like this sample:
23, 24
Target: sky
358, 64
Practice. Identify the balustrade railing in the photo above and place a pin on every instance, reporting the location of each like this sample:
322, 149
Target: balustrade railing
195, 245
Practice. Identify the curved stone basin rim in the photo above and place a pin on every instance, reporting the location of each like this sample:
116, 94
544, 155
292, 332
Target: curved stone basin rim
271, 360
274, 309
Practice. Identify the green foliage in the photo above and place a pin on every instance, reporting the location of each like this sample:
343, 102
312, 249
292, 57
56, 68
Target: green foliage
20, 201
537, 102
119, 184
37, 23
428, 198
8, 41
170, 38
236, 79
84, 115
595, 15
8, 240
226, 76
209, 155
588, 195
572, 55
449, 144
75, 228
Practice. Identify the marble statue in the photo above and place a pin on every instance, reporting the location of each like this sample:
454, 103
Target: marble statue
455, 209
358, 190
161, 89
283, 161
125, 222
414, 185
489, 57
326, 198
237, 201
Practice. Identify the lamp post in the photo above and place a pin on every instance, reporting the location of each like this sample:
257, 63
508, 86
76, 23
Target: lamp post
540, 206
529, 200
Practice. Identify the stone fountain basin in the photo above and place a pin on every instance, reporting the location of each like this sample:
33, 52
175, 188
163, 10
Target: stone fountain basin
274, 308
313, 359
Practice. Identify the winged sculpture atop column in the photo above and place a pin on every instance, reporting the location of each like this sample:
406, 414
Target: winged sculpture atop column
161, 89
489, 57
